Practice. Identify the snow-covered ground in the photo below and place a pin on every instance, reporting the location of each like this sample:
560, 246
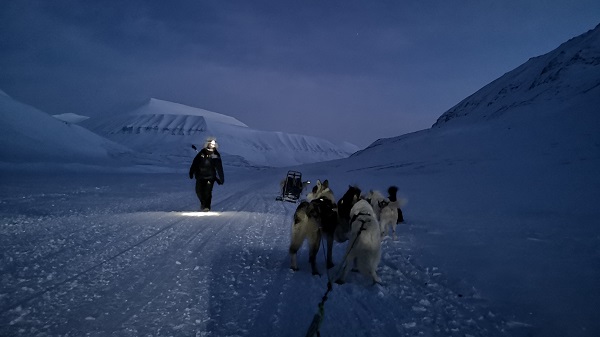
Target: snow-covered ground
128, 255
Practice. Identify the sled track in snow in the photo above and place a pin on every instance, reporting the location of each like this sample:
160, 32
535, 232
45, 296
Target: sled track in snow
67, 248
206, 239
227, 200
99, 264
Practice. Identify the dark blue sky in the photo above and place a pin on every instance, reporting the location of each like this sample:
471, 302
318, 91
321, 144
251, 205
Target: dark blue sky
341, 70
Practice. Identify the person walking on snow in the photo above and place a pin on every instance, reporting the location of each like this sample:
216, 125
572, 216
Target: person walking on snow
208, 169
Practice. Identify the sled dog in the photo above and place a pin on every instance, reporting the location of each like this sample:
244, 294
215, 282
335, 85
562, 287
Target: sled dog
321, 190
314, 217
392, 191
385, 210
364, 245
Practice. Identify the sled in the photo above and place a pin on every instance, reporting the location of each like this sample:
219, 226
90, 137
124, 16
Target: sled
291, 187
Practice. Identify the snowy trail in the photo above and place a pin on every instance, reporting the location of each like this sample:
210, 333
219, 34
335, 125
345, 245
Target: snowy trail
114, 261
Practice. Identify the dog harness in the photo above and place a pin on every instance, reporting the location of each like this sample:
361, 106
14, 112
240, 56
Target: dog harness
357, 215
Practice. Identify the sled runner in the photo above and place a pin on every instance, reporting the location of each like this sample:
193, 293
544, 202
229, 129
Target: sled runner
291, 187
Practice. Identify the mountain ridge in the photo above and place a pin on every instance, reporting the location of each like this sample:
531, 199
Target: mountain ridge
167, 129
28, 134
158, 106
565, 73
543, 111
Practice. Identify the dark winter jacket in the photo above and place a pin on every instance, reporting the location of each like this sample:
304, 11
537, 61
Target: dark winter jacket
207, 165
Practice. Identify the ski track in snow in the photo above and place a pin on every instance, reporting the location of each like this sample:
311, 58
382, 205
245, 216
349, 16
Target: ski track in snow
121, 259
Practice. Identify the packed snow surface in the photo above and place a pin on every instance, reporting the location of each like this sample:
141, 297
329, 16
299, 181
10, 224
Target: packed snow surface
130, 255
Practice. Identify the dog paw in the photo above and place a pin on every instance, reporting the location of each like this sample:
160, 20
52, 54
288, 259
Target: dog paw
316, 273
294, 268
340, 282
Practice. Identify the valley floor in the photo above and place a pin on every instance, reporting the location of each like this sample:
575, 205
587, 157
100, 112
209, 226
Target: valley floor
128, 255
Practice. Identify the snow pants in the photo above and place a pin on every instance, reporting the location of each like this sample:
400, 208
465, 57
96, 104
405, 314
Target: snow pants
204, 189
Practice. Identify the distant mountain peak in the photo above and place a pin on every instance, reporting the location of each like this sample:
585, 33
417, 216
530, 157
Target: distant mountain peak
155, 106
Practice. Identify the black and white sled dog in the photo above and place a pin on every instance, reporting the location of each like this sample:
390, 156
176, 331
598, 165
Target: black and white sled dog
312, 218
364, 245
318, 216
386, 209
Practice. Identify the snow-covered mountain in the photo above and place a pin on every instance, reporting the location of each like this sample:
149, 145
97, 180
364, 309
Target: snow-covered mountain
567, 75
30, 135
547, 109
168, 129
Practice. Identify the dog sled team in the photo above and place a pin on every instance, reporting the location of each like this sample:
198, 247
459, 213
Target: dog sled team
361, 221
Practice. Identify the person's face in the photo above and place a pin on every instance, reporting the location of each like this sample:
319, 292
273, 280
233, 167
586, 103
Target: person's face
211, 145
